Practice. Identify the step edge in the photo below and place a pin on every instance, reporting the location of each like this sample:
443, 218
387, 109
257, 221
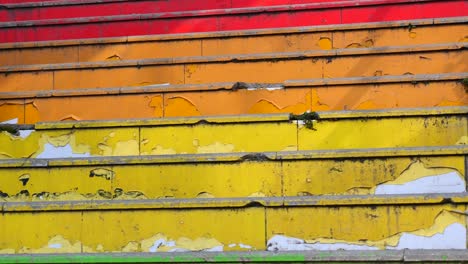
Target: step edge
236, 33
234, 86
252, 118
209, 12
238, 202
240, 58
239, 157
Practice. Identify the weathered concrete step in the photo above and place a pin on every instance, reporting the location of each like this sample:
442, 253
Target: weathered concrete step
21, 10
414, 222
333, 256
276, 132
292, 96
273, 174
412, 32
268, 67
341, 12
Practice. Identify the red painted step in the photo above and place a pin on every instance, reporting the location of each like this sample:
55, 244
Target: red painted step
90, 8
230, 19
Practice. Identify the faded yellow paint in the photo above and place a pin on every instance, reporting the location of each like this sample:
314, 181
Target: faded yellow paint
193, 180
200, 229
221, 179
442, 221
360, 177
179, 139
109, 142
377, 225
232, 43
417, 170
381, 133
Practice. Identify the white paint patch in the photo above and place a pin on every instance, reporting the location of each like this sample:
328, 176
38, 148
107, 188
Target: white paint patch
55, 245
13, 121
51, 151
450, 182
232, 245
244, 246
453, 237
215, 249
284, 243
25, 133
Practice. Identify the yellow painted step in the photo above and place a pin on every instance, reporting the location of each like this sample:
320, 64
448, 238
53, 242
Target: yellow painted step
244, 133
416, 32
293, 223
297, 96
272, 174
264, 67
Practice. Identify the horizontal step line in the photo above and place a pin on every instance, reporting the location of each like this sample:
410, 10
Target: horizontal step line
233, 86
241, 33
202, 13
343, 256
240, 58
169, 203
252, 118
239, 157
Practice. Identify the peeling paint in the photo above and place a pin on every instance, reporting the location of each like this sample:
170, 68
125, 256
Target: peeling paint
58, 244
462, 141
417, 178
216, 147
180, 106
325, 43
119, 194
160, 150
266, 106
444, 183
447, 232
451, 238
50, 151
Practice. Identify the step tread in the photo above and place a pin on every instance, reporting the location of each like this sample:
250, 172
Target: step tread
237, 202
237, 157
239, 33
200, 13
233, 86
343, 256
240, 57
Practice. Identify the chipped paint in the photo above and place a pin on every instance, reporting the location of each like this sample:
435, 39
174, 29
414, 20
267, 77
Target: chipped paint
57, 244
118, 194
216, 147
180, 106
325, 43
418, 178
447, 232
445, 183
50, 151
161, 243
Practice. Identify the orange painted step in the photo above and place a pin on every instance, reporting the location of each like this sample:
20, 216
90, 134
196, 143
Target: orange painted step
266, 67
413, 32
295, 96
